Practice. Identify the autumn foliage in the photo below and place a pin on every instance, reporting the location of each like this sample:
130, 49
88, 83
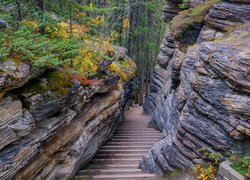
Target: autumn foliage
73, 43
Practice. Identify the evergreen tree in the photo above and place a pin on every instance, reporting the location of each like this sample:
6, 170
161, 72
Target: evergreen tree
77, 34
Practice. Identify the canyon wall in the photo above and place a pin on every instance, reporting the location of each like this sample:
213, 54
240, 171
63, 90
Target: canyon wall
52, 123
200, 92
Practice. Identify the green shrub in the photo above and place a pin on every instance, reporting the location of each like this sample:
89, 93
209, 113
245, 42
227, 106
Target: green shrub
189, 17
41, 50
240, 164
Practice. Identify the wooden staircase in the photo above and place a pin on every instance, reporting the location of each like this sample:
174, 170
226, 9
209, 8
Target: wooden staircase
119, 158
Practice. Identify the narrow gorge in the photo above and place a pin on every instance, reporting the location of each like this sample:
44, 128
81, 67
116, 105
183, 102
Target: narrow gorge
66, 81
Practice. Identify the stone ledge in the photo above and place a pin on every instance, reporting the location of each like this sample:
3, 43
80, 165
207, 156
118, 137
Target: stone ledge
227, 173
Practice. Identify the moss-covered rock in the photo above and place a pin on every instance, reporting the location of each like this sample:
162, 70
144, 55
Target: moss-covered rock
14, 74
187, 25
123, 67
54, 81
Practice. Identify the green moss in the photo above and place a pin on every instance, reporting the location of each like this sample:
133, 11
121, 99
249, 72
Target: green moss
126, 68
53, 81
241, 164
237, 167
190, 17
124, 63
59, 82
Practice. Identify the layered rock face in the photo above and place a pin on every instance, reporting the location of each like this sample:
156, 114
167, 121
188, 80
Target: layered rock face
199, 96
50, 123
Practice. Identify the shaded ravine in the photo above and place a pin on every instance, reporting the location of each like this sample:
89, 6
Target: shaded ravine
119, 158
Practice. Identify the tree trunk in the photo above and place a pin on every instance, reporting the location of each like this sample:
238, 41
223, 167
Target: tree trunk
19, 11
41, 5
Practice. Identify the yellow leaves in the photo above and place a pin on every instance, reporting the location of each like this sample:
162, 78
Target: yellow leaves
125, 24
63, 30
123, 67
98, 20
85, 65
115, 69
79, 14
94, 47
107, 47
63, 24
79, 30
114, 35
91, 53
204, 172
91, 5
30, 24
208, 171
101, 46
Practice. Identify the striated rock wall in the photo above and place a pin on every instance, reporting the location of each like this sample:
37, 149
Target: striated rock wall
199, 96
51, 123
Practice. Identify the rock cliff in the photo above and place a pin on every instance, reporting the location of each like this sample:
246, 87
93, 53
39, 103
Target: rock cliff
200, 92
51, 123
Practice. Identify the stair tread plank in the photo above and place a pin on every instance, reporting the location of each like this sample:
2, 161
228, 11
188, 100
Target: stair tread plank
119, 158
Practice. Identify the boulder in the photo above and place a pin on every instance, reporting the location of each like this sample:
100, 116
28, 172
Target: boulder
3, 24
14, 74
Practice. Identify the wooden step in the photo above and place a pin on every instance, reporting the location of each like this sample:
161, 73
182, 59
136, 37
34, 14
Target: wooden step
118, 147
136, 136
141, 125
129, 143
96, 165
122, 151
110, 171
133, 128
120, 177
137, 131
118, 160
134, 140
113, 156
132, 123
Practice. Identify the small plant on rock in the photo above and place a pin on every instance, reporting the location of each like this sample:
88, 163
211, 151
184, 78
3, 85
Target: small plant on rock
240, 164
203, 172
207, 171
